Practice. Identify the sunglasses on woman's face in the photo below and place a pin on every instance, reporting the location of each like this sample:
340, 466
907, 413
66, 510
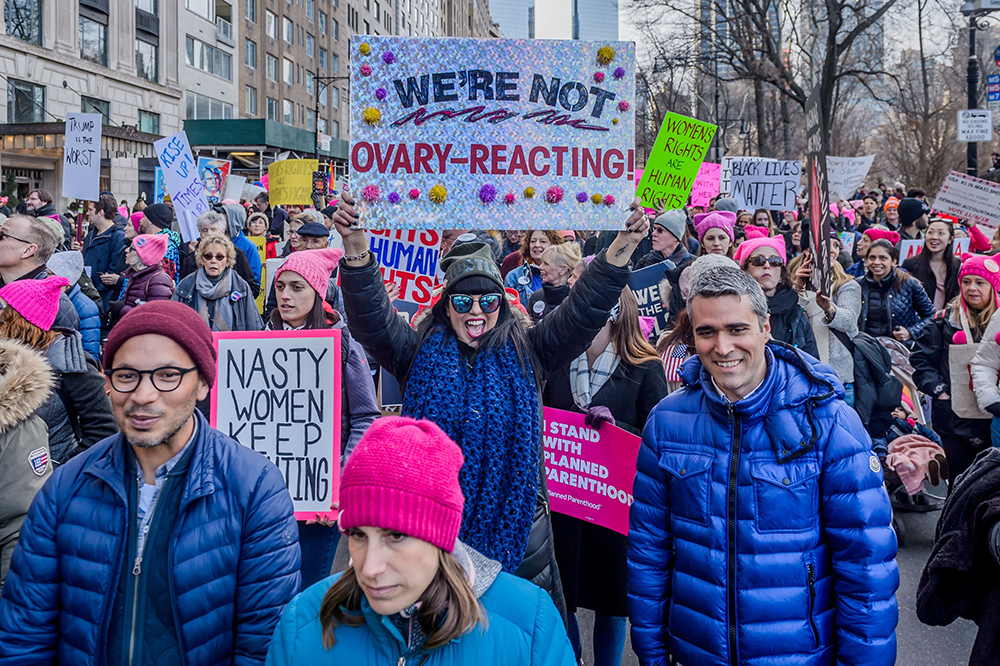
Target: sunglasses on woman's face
208, 256
488, 303
760, 261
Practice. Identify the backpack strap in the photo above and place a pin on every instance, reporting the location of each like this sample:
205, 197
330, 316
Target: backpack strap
844, 340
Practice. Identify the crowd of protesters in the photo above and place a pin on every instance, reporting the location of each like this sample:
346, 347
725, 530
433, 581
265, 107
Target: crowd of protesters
780, 425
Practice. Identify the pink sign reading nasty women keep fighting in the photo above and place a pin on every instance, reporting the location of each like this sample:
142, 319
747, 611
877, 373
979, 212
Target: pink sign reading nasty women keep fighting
590, 472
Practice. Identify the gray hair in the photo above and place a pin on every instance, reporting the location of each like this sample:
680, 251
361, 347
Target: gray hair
729, 281
207, 219
39, 234
313, 215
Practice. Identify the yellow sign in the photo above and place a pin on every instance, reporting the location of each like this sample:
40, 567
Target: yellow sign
290, 182
261, 244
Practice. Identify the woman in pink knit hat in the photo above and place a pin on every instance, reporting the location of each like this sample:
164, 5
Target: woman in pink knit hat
413, 593
145, 278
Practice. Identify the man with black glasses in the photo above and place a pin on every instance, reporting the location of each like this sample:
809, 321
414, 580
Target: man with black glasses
167, 542
26, 245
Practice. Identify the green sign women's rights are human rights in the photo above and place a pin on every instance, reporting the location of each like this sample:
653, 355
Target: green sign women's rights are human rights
681, 146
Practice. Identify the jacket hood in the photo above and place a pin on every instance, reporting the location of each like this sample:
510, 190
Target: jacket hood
795, 383
25, 383
66, 352
237, 217
782, 301
480, 570
45, 211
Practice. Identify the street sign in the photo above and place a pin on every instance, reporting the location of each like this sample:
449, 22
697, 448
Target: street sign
975, 125
993, 79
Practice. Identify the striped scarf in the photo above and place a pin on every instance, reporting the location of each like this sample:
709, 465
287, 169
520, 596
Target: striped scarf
585, 381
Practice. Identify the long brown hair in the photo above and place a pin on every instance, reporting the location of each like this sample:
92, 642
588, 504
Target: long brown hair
448, 609
626, 334
16, 327
553, 236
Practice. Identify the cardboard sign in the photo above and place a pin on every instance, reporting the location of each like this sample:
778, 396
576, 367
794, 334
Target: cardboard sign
589, 472
270, 267
508, 134
818, 195
187, 193
911, 248
278, 392
645, 285
673, 163
846, 175
214, 173
408, 258
726, 172
81, 171
975, 125
768, 184
159, 186
969, 198
290, 182
261, 244
706, 184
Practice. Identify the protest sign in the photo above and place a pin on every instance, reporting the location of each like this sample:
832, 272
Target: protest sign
498, 133
81, 171
408, 258
589, 472
969, 198
234, 187
213, 173
846, 175
768, 184
819, 197
180, 172
847, 242
278, 392
250, 192
159, 186
645, 285
290, 182
673, 163
270, 266
390, 395
261, 244
706, 184
911, 248
726, 170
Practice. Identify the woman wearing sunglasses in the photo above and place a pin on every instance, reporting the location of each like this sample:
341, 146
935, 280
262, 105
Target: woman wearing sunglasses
216, 291
764, 260
473, 368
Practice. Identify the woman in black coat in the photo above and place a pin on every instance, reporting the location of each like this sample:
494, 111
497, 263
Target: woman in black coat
937, 266
592, 559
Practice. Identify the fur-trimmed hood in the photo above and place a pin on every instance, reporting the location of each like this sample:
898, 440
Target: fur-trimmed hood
25, 383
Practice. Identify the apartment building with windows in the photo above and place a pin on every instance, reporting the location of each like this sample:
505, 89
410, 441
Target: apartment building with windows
206, 41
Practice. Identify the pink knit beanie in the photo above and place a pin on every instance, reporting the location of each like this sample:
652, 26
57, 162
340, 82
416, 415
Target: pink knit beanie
136, 220
874, 233
719, 219
403, 475
753, 231
747, 248
315, 266
151, 248
981, 266
35, 300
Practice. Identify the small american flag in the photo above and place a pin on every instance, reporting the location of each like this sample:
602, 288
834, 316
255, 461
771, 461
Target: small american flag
673, 358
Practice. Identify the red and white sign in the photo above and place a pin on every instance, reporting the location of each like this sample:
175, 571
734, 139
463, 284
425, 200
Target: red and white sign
410, 259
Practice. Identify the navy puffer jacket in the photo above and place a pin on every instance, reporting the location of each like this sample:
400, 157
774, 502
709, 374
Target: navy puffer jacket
909, 307
760, 532
234, 557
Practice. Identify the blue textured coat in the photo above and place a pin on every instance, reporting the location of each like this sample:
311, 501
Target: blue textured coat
100, 252
90, 320
909, 307
524, 629
234, 558
760, 532
526, 280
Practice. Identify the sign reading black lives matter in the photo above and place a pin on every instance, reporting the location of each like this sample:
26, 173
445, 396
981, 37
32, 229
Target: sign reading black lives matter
278, 392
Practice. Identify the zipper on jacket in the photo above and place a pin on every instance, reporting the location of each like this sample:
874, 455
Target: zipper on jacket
734, 468
812, 602
136, 571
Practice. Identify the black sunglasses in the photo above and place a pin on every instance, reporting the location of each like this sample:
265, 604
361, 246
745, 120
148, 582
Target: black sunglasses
759, 261
489, 303
208, 256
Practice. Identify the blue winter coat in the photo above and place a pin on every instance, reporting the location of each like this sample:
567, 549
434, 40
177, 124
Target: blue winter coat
524, 629
526, 280
90, 320
237, 217
909, 307
234, 558
100, 252
760, 532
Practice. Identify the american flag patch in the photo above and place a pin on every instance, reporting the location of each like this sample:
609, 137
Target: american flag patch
39, 460
673, 358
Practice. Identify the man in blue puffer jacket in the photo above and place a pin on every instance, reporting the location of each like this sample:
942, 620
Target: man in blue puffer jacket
168, 543
760, 532
69, 265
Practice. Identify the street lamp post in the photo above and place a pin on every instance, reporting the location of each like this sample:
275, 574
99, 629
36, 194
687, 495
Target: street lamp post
320, 80
976, 11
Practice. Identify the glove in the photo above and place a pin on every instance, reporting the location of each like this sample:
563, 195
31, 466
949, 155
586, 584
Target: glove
994, 409
597, 416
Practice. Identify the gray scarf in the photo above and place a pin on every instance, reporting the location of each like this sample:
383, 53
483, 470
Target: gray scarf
214, 304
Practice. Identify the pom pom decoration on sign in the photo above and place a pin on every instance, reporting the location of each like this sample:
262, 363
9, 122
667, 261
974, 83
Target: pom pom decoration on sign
497, 133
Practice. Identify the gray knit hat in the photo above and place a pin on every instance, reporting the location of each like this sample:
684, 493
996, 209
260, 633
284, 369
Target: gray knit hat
470, 259
727, 203
67, 264
674, 221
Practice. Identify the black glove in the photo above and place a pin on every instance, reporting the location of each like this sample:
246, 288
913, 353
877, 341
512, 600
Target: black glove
994, 409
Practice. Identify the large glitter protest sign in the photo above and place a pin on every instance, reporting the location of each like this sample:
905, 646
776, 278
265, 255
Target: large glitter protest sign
492, 134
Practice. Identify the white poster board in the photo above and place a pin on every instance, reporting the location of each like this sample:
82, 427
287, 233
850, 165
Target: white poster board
81, 174
975, 125
911, 248
768, 184
726, 171
234, 187
187, 192
845, 175
969, 198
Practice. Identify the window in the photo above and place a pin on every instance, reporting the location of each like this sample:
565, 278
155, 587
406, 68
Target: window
368, 5
251, 101
272, 68
272, 109
336, 4
23, 19
310, 45
310, 83
321, 125
149, 6
200, 107
335, 63
203, 8
378, 11
149, 122
289, 112
322, 58
310, 120
335, 97
101, 106
368, 28
336, 29
93, 41
335, 129
289, 72
311, 9
25, 102
146, 65
322, 23
289, 30
251, 54
209, 59
322, 93
251, 10
270, 24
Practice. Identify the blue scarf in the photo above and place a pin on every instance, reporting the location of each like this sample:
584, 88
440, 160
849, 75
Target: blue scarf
490, 409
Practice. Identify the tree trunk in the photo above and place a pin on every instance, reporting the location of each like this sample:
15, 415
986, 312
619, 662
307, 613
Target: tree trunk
763, 146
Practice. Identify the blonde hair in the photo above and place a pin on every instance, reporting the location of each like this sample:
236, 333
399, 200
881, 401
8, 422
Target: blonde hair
566, 254
978, 319
216, 239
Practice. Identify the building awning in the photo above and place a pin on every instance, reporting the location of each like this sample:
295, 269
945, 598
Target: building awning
46, 140
258, 135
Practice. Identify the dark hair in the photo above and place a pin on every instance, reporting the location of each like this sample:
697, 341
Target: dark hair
106, 206
923, 260
915, 192
893, 251
43, 195
317, 318
870, 196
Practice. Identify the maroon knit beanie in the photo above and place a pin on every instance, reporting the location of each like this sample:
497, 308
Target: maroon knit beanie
403, 476
170, 319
